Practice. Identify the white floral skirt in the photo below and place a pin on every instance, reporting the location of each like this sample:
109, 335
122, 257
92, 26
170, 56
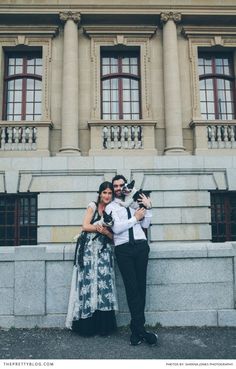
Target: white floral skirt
93, 286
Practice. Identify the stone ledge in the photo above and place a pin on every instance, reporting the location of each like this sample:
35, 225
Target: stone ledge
167, 319
196, 249
175, 318
221, 249
159, 250
154, 162
227, 318
37, 252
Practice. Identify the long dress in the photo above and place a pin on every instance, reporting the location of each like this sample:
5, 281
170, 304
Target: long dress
93, 300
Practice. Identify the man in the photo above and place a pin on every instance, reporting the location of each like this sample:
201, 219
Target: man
131, 250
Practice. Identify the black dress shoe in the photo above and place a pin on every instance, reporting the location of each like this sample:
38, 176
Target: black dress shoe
135, 339
149, 337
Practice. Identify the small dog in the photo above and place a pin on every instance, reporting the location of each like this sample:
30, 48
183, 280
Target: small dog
81, 238
131, 196
106, 221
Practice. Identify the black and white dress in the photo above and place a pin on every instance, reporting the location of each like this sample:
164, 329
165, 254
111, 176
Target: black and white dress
93, 300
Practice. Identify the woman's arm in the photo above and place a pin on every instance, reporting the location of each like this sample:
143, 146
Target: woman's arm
104, 230
87, 226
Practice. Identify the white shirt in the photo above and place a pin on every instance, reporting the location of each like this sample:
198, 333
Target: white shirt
122, 224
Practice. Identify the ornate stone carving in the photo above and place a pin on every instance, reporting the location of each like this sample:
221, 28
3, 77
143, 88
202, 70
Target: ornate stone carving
165, 16
120, 40
21, 40
75, 16
218, 41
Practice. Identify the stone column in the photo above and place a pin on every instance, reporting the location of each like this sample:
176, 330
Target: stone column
172, 95
70, 93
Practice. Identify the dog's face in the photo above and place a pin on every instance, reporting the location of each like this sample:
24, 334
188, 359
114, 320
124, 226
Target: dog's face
107, 219
127, 188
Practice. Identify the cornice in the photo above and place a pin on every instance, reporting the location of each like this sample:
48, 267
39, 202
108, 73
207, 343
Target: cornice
191, 31
118, 29
23, 123
218, 122
141, 122
96, 8
28, 30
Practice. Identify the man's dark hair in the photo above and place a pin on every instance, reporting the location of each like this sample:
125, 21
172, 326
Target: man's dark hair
117, 177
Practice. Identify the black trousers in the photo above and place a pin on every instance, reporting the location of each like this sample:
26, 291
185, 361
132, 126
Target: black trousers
132, 261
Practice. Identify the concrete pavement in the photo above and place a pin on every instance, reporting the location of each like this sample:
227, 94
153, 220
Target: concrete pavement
174, 343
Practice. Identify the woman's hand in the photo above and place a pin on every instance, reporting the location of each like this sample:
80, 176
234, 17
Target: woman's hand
104, 230
101, 229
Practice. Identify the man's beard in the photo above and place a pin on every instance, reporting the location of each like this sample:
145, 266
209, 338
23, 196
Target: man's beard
120, 196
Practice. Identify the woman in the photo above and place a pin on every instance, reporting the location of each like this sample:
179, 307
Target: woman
93, 302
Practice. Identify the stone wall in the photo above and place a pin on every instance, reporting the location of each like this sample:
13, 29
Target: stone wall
188, 285
65, 185
191, 281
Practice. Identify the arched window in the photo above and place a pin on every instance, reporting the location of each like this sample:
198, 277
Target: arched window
217, 86
23, 86
120, 85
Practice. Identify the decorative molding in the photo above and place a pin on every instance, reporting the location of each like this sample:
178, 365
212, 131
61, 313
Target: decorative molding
41, 42
141, 122
208, 31
166, 16
31, 30
21, 40
99, 41
121, 40
218, 122
65, 16
218, 41
117, 30
113, 35
28, 123
204, 37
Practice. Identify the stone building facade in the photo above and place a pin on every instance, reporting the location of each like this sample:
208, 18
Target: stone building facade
90, 89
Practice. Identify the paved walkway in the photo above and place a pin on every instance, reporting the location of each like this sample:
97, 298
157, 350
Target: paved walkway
174, 343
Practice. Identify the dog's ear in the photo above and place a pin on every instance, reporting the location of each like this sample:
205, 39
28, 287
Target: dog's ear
110, 213
132, 182
147, 193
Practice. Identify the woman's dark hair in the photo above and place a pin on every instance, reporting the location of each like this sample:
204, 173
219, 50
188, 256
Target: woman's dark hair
103, 186
117, 177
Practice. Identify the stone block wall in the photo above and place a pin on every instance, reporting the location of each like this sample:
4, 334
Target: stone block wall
191, 281
185, 287
65, 185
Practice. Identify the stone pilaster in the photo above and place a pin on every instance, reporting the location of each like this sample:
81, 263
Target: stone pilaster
70, 113
173, 114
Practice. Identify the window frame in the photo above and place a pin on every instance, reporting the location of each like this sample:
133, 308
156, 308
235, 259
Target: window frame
120, 75
226, 210
122, 36
18, 213
214, 76
24, 76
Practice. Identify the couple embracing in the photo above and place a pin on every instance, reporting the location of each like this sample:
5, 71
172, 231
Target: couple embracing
93, 301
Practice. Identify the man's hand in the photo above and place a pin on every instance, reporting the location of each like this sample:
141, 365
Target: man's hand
146, 201
140, 213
